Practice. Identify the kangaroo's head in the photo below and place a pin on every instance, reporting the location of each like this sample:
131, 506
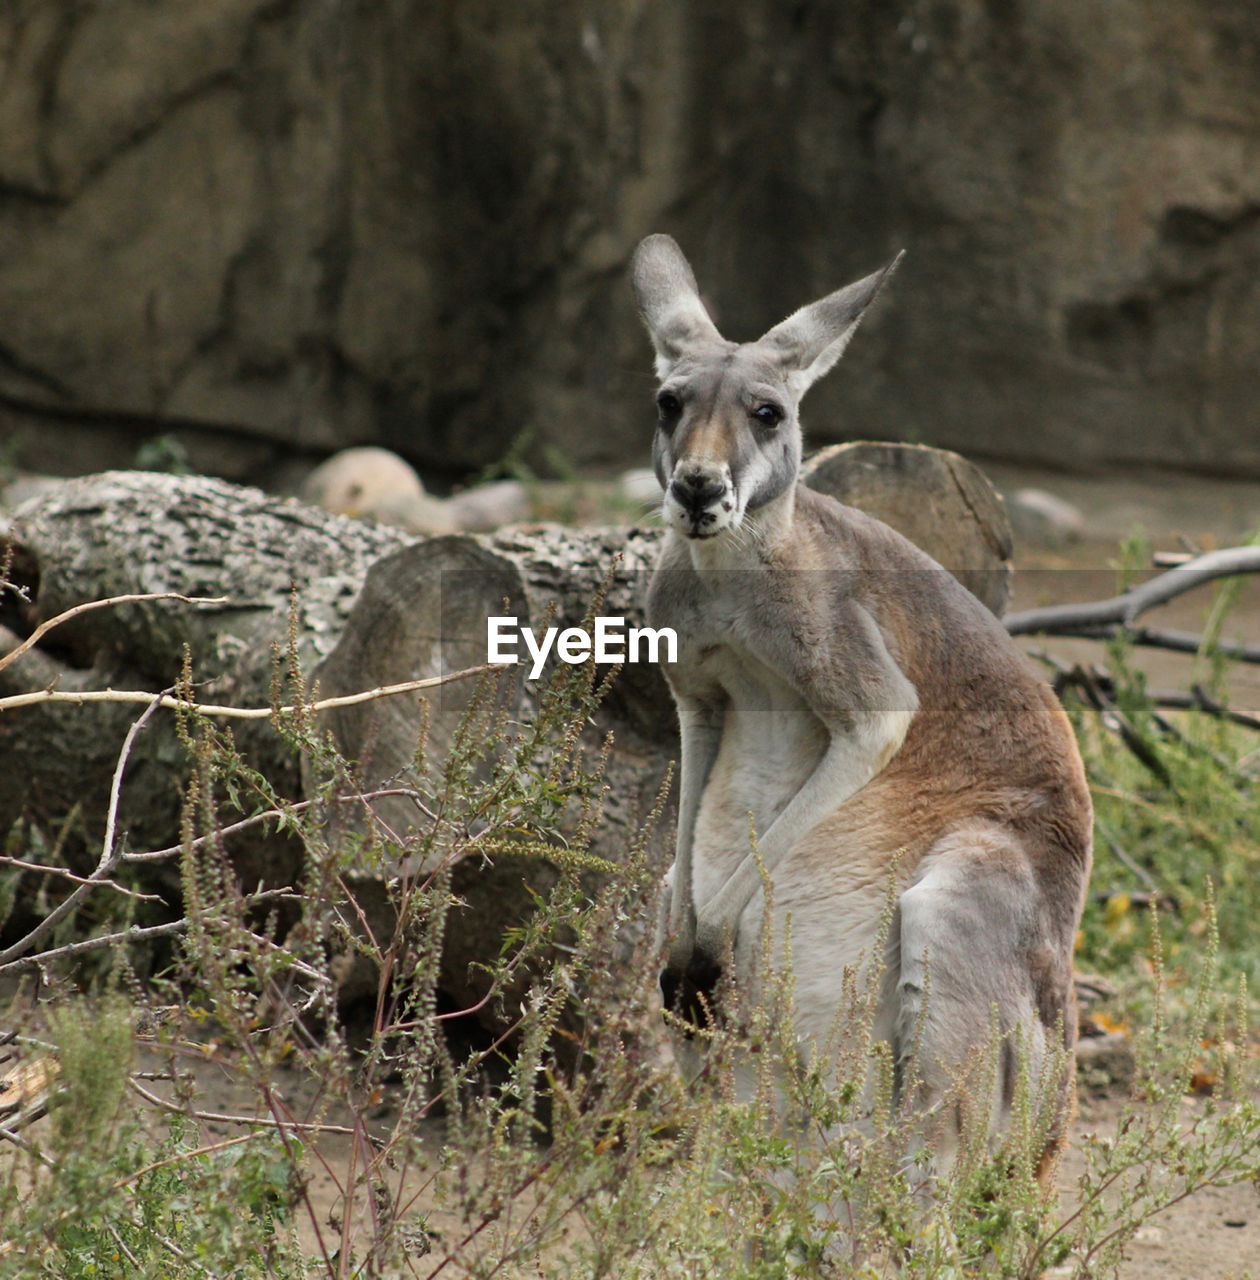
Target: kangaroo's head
728, 439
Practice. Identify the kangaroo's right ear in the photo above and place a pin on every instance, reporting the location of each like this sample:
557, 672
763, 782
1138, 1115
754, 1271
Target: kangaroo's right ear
811, 340
669, 301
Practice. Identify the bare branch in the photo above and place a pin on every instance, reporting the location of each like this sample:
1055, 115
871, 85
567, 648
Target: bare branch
1123, 856
109, 854
272, 815
45, 627
1198, 699
43, 868
216, 1117
1125, 608
180, 1156
1163, 638
135, 933
1097, 688
109, 859
40, 696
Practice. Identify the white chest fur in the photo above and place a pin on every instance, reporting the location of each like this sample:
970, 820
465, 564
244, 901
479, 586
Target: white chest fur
770, 743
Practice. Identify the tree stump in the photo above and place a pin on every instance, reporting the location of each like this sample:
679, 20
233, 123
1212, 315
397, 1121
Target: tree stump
944, 504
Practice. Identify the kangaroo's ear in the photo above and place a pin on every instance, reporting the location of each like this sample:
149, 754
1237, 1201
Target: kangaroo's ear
669, 301
811, 340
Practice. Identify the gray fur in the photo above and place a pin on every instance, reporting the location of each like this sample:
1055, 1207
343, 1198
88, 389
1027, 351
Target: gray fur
669, 301
872, 717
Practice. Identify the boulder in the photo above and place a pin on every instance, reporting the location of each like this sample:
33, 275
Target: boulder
265, 229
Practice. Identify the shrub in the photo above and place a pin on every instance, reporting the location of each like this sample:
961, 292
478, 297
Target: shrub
566, 1144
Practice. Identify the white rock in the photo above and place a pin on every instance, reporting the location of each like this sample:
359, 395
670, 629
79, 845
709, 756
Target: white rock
354, 481
374, 483
1041, 517
490, 505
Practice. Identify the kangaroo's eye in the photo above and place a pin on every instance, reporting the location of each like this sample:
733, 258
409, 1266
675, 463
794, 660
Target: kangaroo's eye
769, 415
668, 405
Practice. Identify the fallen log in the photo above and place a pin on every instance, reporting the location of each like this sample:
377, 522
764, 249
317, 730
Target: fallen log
293, 576
305, 604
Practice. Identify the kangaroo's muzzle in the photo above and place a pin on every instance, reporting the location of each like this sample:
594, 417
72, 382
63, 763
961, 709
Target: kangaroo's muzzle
699, 501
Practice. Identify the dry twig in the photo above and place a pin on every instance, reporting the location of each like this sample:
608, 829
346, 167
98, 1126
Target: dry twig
22, 963
39, 696
110, 858
49, 624
218, 1117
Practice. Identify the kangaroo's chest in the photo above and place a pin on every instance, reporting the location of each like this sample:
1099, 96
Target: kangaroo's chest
770, 744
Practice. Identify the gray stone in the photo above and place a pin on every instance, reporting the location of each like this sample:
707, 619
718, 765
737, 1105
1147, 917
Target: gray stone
308, 225
1042, 518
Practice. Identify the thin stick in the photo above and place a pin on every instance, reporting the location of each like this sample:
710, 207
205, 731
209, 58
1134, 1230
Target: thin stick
1163, 638
1099, 691
20, 864
135, 933
40, 696
216, 1117
45, 627
109, 854
156, 855
1198, 699
1122, 856
179, 1156
9, 1135
109, 857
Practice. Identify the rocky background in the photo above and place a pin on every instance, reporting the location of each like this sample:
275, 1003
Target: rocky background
271, 228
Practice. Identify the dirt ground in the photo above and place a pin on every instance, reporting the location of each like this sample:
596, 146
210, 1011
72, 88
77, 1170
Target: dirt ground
1212, 1235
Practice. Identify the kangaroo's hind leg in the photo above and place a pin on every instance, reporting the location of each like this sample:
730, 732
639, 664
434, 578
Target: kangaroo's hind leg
983, 1002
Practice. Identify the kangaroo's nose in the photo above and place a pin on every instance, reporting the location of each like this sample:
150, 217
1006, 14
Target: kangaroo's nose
695, 490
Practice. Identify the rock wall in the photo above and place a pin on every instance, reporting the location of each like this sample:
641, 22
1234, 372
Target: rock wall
277, 225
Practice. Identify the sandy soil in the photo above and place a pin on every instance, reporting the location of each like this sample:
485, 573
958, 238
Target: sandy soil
1188, 512
1212, 1235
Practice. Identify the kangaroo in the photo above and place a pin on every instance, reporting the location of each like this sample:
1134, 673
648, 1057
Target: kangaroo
873, 718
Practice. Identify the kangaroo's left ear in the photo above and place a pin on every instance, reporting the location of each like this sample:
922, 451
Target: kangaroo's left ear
669, 302
811, 340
